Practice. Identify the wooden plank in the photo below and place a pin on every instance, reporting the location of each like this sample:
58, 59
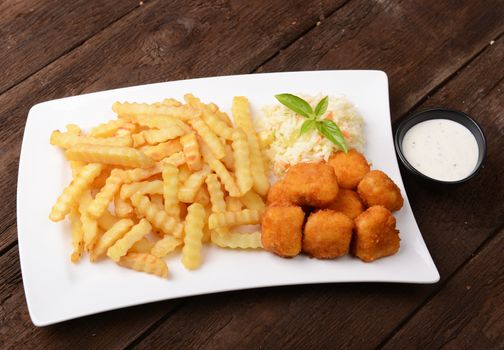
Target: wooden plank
103, 331
468, 313
454, 223
170, 40
418, 44
34, 33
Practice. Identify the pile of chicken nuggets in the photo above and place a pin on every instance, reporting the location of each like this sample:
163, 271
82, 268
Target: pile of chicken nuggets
327, 210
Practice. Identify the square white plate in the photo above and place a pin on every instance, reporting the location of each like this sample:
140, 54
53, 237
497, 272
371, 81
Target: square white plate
57, 290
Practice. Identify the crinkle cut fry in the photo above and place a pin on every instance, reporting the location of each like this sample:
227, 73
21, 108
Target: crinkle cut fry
71, 194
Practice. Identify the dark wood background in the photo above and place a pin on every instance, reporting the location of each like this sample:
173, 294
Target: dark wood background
436, 53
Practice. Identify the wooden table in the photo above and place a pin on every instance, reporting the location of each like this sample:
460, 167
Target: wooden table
436, 53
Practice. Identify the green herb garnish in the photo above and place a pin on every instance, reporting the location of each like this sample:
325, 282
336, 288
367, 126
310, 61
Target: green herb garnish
326, 127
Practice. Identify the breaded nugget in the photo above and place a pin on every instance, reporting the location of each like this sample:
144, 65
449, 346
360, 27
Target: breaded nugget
375, 235
349, 168
327, 234
276, 194
311, 184
348, 202
376, 188
281, 230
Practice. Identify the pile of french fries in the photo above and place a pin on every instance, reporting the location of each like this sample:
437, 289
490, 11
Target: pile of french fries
162, 177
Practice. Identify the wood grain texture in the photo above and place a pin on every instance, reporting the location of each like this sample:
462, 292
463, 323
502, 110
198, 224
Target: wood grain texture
468, 313
105, 331
189, 39
454, 223
34, 33
170, 40
418, 44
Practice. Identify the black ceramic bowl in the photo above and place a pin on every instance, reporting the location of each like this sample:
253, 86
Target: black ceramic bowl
440, 113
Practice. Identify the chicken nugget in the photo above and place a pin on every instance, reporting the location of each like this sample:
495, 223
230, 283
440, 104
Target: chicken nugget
276, 194
281, 230
327, 234
348, 202
311, 184
349, 168
376, 188
375, 235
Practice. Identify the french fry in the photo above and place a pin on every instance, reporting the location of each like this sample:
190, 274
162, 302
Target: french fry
142, 246
202, 196
101, 179
144, 187
228, 160
67, 140
159, 218
221, 171
241, 154
89, 224
161, 122
165, 245
233, 204
138, 139
209, 137
184, 173
73, 129
230, 218
122, 208
77, 235
170, 190
187, 192
107, 129
72, 192
252, 200
157, 200
191, 252
155, 136
216, 194
171, 102
114, 233
209, 116
206, 230
145, 263
122, 156
181, 112
122, 245
225, 239
107, 220
176, 159
76, 166
163, 149
191, 151
138, 174
241, 114
106, 194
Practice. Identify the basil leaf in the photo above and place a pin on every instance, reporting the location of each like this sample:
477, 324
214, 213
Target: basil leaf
297, 104
307, 126
322, 106
332, 132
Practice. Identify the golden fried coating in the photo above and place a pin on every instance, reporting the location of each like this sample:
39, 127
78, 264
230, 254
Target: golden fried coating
327, 234
311, 184
348, 202
375, 235
350, 168
276, 194
376, 188
281, 230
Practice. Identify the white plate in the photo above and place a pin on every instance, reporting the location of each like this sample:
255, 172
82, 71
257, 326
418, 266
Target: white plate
57, 290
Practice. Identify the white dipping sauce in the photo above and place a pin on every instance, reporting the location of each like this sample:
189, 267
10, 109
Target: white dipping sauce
441, 149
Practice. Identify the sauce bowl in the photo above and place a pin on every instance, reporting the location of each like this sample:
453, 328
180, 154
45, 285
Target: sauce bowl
440, 113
